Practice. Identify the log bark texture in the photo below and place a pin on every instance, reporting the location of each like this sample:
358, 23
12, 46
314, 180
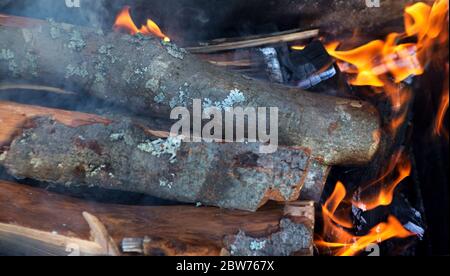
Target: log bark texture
149, 76
80, 149
38, 222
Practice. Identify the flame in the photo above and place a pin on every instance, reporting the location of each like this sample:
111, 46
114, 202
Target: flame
354, 244
369, 201
331, 205
377, 58
439, 129
336, 236
125, 22
386, 63
340, 241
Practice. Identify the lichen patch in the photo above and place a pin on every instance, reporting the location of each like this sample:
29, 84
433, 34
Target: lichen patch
169, 146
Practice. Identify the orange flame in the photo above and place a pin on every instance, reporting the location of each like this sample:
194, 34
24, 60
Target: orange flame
369, 201
384, 64
382, 232
439, 129
337, 238
377, 58
331, 205
341, 242
125, 22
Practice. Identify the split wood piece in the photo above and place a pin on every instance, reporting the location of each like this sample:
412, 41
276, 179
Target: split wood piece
255, 42
152, 77
38, 222
13, 118
42, 88
95, 151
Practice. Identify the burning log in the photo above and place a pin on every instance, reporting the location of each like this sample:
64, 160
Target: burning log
80, 149
85, 228
151, 76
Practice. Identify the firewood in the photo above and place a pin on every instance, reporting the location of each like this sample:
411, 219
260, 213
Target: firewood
157, 230
31, 87
77, 149
265, 40
152, 77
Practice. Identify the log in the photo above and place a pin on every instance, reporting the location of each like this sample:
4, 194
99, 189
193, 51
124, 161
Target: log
152, 77
37, 222
78, 149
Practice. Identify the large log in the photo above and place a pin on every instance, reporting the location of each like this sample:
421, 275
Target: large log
38, 222
149, 76
78, 149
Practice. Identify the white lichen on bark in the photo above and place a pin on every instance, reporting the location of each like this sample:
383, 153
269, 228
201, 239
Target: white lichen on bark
160, 147
235, 97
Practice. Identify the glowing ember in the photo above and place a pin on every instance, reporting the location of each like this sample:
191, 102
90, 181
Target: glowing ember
298, 47
126, 23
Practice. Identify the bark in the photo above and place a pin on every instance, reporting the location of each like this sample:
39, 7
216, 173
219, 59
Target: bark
149, 76
74, 226
77, 149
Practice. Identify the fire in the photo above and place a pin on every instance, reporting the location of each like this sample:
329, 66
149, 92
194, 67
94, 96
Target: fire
384, 64
126, 23
369, 201
439, 129
340, 241
375, 59
337, 222
351, 245
331, 206
371, 62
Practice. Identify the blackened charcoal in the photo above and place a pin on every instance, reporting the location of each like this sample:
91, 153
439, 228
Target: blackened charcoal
308, 67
